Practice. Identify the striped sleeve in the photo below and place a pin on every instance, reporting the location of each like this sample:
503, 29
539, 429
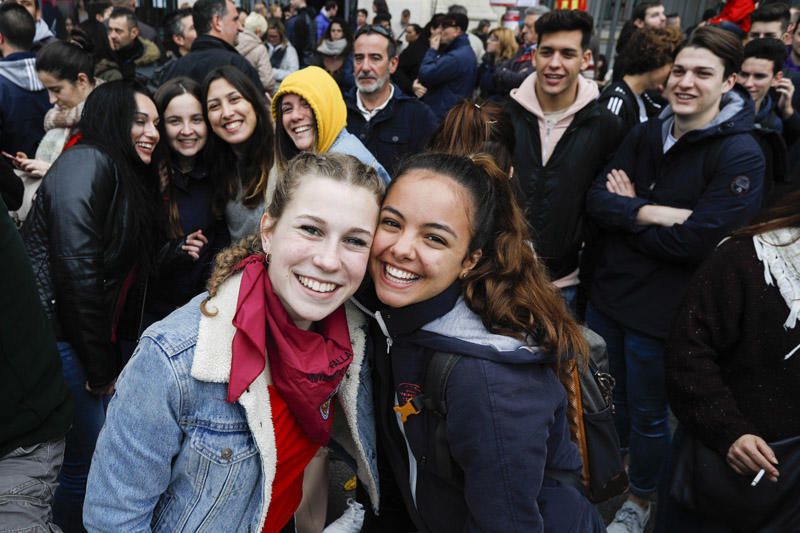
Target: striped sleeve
614, 104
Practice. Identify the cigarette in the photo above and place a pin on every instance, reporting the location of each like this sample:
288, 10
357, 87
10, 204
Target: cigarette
757, 478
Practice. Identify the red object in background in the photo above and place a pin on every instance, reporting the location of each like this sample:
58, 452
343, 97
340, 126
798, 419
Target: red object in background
738, 12
571, 4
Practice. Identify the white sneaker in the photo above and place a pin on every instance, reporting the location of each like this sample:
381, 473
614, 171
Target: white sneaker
630, 518
351, 520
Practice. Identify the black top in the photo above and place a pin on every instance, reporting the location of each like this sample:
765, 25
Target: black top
35, 405
206, 54
726, 372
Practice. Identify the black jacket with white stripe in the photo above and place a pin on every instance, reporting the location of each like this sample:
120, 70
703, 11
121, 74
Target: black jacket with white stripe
620, 100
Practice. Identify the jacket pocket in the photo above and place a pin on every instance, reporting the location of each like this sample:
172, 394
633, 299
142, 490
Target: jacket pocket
223, 472
223, 444
395, 137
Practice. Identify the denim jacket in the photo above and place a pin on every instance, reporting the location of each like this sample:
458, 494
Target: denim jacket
175, 456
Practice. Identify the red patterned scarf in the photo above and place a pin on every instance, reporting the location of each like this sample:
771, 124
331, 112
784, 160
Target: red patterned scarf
306, 366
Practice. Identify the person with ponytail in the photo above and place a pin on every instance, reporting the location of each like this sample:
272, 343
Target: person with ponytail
66, 70
227, 400
240, 148
91, 235
194, 201
452, 272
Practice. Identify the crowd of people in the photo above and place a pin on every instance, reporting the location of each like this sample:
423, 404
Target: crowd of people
247, 242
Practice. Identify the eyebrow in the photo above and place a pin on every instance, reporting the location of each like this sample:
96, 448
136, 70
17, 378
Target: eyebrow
434, 225
141, 114
322, 222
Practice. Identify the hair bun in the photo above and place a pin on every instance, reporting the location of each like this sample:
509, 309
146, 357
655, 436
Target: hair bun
80, 38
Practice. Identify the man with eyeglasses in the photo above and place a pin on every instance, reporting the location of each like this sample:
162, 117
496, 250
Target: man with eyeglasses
390, 123
448, 70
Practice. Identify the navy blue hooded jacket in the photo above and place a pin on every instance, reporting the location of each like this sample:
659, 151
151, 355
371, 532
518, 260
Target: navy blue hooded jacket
716, 171
400, 129
23, 104
449, 76
506, 423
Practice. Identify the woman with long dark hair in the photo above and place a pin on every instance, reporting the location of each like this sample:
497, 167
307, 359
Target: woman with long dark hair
91, 235
194, 201
732, 368
66, 69
453, 275
240, 147
228, 399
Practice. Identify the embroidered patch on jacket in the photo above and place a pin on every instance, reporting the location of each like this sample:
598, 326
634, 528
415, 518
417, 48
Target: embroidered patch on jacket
740, 185
407, 391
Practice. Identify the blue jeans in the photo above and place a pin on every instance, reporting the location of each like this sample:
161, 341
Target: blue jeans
641, 415
90, 414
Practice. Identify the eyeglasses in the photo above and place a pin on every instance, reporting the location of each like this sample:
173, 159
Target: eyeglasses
373, 28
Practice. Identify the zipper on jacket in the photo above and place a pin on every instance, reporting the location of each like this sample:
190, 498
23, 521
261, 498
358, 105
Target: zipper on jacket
385, 331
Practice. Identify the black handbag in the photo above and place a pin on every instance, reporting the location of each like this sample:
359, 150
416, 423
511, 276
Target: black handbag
704, 483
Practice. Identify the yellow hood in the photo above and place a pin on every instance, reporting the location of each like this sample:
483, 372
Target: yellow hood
322, 93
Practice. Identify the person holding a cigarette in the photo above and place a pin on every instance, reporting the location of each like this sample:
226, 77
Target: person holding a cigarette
732, 369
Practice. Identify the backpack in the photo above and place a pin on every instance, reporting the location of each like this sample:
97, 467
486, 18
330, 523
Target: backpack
590, 414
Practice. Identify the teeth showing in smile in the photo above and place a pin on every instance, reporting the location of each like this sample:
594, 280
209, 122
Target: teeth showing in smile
401, 275
316, 286
301, 129
144, 145
231, 126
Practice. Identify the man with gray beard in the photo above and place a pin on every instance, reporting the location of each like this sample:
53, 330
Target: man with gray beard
390, 123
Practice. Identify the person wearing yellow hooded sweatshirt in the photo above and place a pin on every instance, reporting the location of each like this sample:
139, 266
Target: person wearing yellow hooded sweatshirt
310, 116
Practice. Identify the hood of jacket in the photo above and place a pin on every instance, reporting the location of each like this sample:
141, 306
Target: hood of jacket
320, 90
42, 31
19, 69
150, 53
445, 323
736, 115
462, 331
525, 95
248, 41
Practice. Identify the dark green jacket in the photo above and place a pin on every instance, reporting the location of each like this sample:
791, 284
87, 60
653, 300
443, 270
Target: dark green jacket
35, 405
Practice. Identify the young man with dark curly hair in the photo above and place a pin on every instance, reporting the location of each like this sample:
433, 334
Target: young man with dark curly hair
647, 63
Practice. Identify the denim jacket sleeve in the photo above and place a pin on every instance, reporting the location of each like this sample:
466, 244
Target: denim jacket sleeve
131, 466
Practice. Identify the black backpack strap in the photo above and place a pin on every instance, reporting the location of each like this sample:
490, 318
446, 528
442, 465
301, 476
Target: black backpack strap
436, 376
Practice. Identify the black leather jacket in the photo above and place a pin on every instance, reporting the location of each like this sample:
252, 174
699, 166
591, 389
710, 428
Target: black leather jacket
67, 234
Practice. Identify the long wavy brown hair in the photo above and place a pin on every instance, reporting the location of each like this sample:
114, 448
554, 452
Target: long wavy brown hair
509, 287
340, 167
